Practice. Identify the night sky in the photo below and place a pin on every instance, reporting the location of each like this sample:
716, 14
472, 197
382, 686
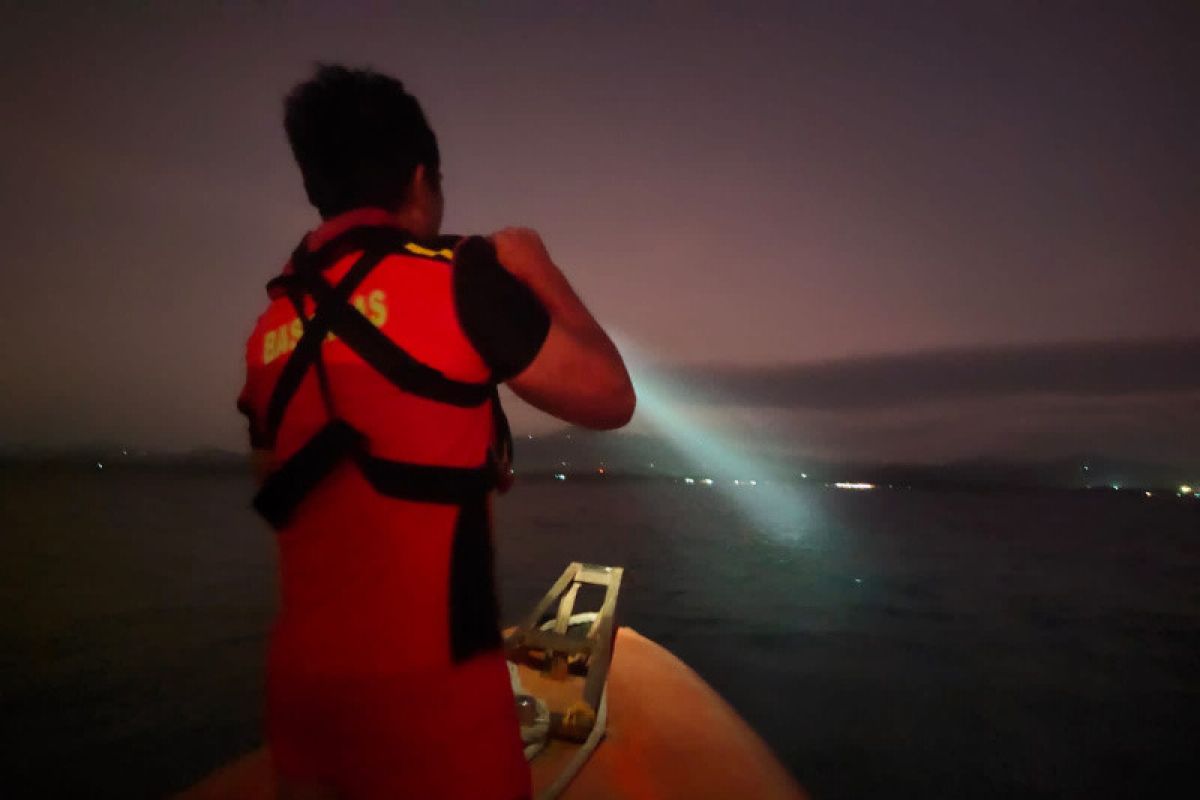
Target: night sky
835, 193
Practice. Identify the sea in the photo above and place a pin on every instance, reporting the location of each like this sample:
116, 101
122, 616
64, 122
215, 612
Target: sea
886, 643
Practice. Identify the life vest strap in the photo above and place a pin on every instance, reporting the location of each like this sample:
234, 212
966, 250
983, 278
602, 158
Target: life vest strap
427, 483
385, 356
308, 349
284, 488
339, 441
335, 314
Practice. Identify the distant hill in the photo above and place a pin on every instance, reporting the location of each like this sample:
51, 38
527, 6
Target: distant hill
578, 453
101, 457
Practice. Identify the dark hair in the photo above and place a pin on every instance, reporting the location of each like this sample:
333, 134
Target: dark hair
357, 136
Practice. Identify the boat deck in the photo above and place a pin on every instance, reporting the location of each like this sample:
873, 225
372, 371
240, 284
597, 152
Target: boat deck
669, 735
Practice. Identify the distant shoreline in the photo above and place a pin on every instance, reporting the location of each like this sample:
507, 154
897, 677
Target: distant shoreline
863, 478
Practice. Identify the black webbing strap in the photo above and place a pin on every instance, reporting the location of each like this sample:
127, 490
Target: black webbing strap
319, 363
334, 313
308, 349
286, 487
337, 441
426, 483
385, 356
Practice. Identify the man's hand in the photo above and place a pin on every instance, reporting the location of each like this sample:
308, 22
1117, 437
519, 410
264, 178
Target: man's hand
578, 376
522, 252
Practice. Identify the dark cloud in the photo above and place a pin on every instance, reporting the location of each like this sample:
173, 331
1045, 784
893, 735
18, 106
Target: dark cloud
1098, 369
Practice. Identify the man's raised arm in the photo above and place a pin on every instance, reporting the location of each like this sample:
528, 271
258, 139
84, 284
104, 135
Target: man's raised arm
578, 375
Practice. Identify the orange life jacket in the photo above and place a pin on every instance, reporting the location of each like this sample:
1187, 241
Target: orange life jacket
370, 369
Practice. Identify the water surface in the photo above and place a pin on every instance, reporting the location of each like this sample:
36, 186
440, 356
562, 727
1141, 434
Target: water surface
892, 642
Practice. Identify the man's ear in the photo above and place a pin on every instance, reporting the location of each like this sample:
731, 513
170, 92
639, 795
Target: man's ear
425, 185
423, 202
418, 184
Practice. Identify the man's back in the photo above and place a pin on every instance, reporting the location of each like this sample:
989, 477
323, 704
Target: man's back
386, 599
371, 397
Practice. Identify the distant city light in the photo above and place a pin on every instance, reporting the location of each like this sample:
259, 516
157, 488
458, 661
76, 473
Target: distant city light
1185, 489
1148, 494
857, 486
736, 482
689, 481
599, 470
754, 483
707, 481
99, 465
1116, 487
558, 476
804, 475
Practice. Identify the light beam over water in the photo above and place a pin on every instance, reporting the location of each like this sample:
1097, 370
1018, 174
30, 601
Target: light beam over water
771, 501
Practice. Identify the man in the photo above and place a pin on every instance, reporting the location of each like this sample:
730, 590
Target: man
370, 392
